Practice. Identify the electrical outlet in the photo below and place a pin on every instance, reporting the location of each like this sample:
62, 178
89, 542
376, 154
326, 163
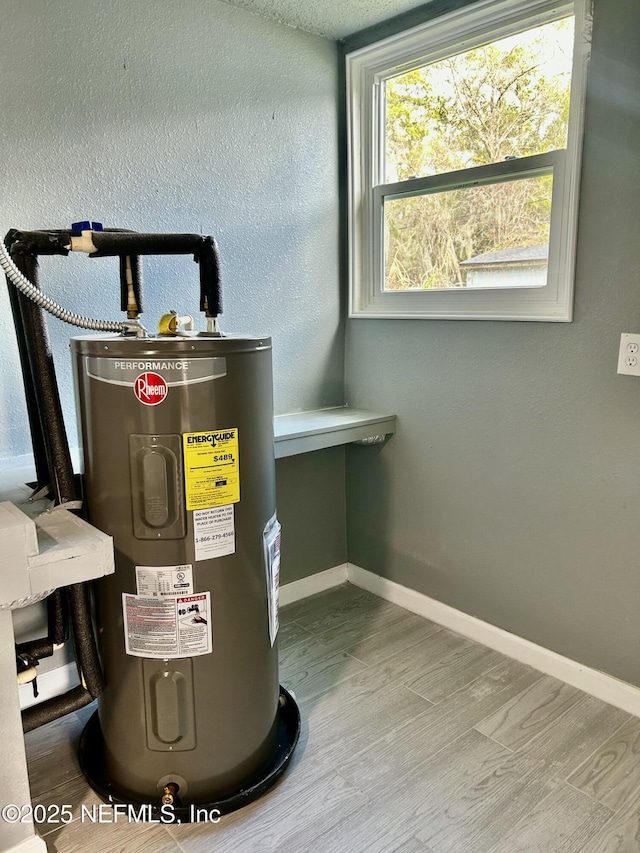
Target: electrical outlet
629, 355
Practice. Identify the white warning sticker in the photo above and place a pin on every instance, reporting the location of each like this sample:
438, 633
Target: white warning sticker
164, 581
214, 532
167, 627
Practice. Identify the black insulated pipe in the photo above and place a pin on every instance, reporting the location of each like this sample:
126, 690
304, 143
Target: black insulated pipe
57, 628
88, 667
58, 616
53, 709
38, 649
109, 243
210, 279
35, 424
203, 249
61, 477
114, 242
87, 658
54, 242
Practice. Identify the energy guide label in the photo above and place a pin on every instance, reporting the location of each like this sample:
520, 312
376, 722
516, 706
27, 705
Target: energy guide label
211, 468
167, 627
214, 532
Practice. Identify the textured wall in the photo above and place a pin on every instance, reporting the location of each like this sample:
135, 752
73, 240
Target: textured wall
512, 487
175, 116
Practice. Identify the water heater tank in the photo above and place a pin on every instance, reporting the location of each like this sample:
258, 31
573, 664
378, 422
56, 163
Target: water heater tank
177, 436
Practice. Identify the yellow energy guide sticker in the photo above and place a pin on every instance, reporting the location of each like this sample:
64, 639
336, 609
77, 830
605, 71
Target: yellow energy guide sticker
211, 468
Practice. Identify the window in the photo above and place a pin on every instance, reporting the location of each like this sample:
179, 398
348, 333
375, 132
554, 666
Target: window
464, 153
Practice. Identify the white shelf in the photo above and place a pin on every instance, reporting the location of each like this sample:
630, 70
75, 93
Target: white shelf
306, 431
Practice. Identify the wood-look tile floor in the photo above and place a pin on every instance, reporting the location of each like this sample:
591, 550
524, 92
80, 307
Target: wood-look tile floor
414, 740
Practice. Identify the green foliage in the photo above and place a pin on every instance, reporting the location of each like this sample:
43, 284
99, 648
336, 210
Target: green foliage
493, 102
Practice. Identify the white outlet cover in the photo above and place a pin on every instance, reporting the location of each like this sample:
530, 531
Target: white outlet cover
629, 355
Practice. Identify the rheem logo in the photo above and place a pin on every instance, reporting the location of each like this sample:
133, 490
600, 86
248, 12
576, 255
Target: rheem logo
150, 388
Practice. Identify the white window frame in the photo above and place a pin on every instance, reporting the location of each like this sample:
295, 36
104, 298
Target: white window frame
448, 35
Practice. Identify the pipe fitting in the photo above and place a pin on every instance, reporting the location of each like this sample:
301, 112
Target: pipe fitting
169, 793
83, 243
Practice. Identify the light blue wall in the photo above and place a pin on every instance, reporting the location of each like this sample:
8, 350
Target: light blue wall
512, 487
166, 115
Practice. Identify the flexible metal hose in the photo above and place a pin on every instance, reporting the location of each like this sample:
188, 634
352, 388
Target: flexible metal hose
46, 303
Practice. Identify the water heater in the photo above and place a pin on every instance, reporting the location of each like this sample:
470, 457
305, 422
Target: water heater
177, 438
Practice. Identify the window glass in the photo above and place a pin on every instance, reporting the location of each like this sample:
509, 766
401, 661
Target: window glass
509, 98
496, 235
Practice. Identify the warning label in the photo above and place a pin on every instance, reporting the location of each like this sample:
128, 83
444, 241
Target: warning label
164, 581
211, 468
167, 627
214, 532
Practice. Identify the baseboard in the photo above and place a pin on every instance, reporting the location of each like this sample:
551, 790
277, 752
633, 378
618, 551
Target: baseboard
52, 683
599, 684
313, 584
